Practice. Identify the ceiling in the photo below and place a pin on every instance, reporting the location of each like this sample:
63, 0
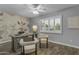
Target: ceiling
24, 10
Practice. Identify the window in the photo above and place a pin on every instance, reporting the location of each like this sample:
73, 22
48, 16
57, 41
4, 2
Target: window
52, 25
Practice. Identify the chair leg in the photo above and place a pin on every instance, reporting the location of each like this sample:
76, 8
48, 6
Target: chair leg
23, 51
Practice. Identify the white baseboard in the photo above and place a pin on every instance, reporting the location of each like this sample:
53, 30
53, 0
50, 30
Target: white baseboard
64, 44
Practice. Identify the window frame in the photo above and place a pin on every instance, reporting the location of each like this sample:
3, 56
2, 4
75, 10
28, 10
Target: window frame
50, 18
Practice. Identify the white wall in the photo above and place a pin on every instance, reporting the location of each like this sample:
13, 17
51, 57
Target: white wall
68, 36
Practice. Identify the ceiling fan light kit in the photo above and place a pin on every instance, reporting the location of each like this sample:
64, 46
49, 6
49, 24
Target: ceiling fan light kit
35, 12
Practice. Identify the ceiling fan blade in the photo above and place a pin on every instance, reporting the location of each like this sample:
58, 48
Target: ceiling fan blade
38, 7
41, 10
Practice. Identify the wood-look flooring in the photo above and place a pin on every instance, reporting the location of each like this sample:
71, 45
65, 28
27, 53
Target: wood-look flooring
53, 49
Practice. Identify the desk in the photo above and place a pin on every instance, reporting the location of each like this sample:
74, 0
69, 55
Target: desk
15, 37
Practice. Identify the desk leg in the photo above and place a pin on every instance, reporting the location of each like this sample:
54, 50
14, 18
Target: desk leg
47, 43
36, 49
13, 48
39, 43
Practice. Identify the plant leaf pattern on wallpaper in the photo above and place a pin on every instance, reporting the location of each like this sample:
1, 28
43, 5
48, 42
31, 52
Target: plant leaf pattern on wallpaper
9, 25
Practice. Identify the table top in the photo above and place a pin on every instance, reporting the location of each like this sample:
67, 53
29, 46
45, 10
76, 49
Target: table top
21, 35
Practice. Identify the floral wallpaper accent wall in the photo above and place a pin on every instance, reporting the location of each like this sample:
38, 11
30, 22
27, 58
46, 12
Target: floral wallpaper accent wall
12, 24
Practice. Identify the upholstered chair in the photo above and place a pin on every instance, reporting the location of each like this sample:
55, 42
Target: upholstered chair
29, 47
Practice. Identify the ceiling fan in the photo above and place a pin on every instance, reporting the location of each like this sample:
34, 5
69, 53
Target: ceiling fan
36, 8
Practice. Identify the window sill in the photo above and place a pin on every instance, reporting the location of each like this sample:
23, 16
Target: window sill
59, 32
